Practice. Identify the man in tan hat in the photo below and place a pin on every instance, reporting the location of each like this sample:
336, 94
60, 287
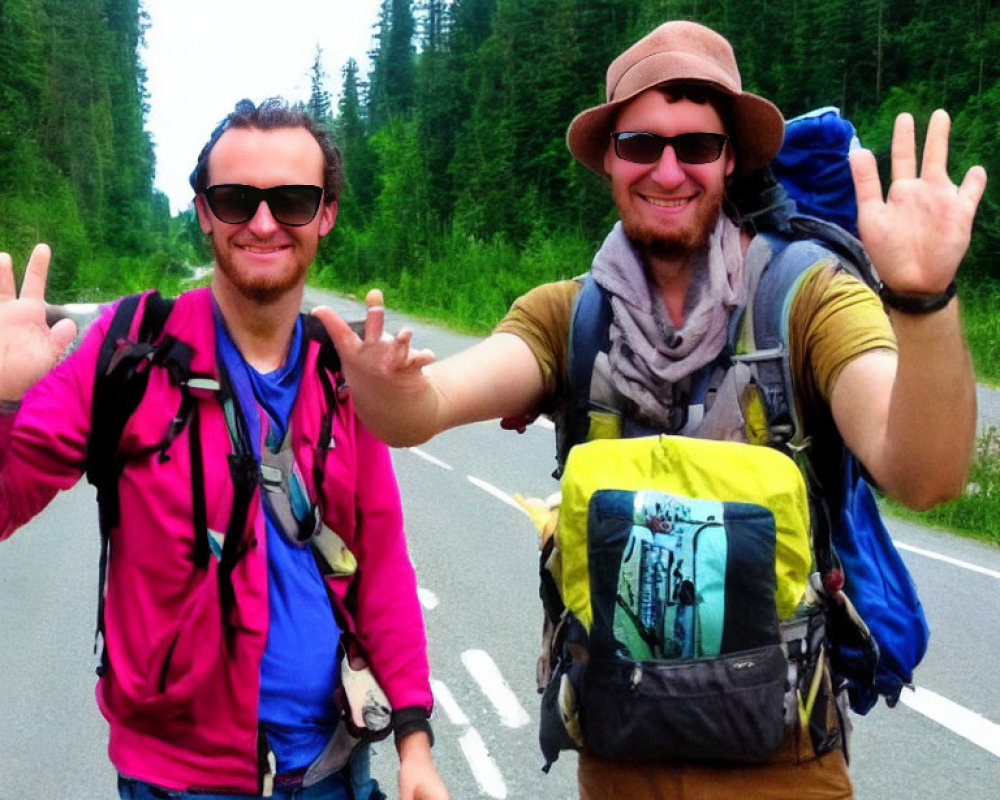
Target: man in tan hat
676, 134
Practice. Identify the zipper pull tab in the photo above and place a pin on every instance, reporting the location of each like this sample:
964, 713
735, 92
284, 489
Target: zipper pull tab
636, 678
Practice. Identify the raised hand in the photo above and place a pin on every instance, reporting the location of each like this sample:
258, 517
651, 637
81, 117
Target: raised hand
918, 235
384, 373
29, 348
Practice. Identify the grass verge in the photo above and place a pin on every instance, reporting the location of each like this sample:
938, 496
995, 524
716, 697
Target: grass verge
976, 513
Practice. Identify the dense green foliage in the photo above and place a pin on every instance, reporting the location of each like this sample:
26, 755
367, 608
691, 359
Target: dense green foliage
76, 164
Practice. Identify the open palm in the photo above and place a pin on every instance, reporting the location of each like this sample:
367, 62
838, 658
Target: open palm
29, 348
918, 235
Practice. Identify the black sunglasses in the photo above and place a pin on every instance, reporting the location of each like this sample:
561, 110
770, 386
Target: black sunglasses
235, 203
642, 147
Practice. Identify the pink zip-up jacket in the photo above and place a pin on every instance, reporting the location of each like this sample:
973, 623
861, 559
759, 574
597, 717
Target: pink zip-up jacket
181, 703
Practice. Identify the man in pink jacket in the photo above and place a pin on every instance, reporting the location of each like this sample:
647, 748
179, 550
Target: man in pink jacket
227, 601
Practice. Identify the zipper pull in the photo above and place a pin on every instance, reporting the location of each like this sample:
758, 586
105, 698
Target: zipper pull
636, 678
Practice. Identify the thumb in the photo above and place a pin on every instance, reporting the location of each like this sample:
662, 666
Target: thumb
345, 340
62, 335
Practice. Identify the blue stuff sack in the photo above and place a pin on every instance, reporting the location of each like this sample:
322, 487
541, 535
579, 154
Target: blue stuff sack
881, 591
813, 168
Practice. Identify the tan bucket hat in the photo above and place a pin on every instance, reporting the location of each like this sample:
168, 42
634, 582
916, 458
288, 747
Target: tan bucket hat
680, 52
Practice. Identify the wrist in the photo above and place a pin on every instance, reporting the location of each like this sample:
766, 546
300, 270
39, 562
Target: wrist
916, 302
409, 721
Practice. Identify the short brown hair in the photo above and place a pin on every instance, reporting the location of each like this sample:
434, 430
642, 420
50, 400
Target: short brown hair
274, 113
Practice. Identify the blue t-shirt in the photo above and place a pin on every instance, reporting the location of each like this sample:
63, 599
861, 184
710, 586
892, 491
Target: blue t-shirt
298, 673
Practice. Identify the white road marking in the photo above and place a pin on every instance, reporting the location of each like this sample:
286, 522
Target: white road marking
445, 700
484, 768
967, 724
497, 493
427, 598
992, 573
486, 673
428, 457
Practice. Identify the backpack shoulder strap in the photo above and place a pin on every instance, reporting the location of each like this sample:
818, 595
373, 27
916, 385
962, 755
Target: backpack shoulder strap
118, 387
589, 334
808, 241
771, 303
116, 390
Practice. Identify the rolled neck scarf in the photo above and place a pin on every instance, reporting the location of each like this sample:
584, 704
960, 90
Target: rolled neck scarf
648, 355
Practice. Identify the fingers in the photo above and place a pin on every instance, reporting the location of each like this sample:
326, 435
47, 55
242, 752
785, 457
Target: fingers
420, 358
935, 161
7, 288
973, 186
35, 274
904, 158
864, 170
375, 318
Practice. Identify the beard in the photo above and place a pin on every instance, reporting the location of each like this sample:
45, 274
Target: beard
262, 288
679, 243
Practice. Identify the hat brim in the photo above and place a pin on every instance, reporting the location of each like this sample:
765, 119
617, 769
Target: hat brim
758, 130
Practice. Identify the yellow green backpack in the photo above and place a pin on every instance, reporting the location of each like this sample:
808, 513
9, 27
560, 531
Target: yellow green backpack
687, 631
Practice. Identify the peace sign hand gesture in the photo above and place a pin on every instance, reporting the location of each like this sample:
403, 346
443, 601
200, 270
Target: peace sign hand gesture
29, 348
919, 234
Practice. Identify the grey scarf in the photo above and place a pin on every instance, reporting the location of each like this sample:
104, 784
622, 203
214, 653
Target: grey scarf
648, 355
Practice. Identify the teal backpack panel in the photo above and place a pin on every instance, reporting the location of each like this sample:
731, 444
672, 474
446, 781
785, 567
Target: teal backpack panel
679, 578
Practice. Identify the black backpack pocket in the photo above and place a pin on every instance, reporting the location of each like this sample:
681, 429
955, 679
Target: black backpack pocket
730, 707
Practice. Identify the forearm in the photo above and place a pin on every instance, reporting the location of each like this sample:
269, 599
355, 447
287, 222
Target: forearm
498, 377
910, 416
399, 416
931, 427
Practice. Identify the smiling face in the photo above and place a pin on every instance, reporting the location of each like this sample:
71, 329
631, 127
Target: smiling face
261, 259
668, 208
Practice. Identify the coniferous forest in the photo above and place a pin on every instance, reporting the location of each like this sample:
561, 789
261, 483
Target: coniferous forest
460, 191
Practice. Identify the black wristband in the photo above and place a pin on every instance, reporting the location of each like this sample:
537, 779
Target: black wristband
410, 720
916, 303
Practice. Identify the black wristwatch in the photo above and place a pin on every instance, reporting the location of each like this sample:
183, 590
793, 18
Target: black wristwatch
916, 303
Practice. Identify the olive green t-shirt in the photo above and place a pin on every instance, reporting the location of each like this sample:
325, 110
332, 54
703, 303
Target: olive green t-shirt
834, 318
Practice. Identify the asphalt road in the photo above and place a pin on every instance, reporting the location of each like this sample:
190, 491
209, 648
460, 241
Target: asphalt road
476, 563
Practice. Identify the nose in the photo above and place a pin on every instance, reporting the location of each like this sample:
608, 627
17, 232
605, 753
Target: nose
262, 224
667, 170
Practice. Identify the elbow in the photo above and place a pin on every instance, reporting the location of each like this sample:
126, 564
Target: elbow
925, 495
405, 438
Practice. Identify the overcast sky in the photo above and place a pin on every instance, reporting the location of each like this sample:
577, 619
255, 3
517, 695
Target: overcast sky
202, 56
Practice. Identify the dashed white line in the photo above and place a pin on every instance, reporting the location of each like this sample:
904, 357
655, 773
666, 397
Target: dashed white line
446, 701
437, 462
486, 673
484, 768
497, 493
427, 598
992, 573
967, 724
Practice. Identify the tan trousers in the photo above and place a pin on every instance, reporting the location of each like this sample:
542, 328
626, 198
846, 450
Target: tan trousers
824, 778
